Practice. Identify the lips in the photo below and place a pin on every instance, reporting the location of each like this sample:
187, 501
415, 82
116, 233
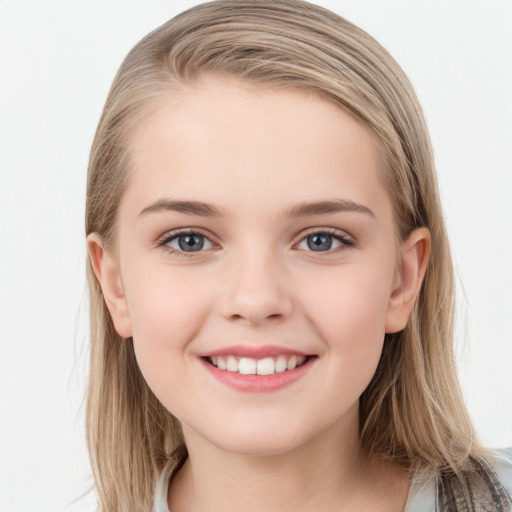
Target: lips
261, 368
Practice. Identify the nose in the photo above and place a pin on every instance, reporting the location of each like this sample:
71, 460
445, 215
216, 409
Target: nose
257, 291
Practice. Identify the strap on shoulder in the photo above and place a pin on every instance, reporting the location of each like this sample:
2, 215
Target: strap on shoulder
476, 490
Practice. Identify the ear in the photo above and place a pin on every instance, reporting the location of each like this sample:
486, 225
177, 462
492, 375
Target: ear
106, 270
415, 252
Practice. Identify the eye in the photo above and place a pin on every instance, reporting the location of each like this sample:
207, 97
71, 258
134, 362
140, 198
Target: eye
186, 242
323, 241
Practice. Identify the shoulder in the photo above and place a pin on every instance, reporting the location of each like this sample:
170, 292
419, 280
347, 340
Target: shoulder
490, 483
485, 485
501, 462
422, 494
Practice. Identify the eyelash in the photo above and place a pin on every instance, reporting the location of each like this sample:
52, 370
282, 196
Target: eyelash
168, 237
346, 242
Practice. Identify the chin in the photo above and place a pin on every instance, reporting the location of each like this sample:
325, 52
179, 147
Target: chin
260, 440
260, 447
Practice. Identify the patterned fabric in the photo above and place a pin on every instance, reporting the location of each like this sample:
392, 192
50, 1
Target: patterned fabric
479, 491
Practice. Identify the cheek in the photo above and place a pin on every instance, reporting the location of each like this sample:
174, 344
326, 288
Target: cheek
167, 312
348, 310
349, 304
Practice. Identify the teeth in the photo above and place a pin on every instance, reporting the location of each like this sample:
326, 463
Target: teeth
232, 364
281, 364
266, 366
250, 366
292, 363
247, 366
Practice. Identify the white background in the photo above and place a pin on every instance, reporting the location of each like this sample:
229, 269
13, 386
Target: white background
57, 60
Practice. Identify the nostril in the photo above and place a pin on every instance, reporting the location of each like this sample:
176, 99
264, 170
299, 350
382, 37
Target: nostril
251, 318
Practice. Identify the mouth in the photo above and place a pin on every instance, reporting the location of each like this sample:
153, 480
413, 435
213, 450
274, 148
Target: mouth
262, 366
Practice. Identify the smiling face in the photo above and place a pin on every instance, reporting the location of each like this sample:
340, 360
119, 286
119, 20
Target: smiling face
255, 235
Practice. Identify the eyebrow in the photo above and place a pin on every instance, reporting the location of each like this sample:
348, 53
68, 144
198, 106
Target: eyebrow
321, 207
301, 209
188, 207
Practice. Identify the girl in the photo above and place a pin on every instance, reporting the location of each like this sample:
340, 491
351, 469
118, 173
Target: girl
270, 278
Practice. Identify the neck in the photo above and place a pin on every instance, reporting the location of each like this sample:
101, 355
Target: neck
326, 473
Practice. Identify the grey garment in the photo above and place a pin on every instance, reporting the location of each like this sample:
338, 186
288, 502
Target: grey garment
489, 488
484, 491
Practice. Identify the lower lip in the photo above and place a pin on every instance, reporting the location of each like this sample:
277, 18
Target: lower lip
259, 383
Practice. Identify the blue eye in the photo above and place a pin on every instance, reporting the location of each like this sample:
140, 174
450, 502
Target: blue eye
322, 242
319, 242
189, 242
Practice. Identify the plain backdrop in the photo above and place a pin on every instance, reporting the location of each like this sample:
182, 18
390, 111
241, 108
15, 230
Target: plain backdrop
57, 60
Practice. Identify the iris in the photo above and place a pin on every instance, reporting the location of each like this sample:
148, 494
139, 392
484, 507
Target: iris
191, 243
319, 242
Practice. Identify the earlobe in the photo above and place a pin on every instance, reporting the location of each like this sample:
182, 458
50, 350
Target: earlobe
106, 270
413, 265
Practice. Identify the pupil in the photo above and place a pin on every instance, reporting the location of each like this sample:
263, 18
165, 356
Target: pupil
321, 242
191, 243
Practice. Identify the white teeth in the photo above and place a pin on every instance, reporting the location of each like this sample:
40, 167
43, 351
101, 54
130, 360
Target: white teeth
266, 366
247, 366
232, 364
281, 364
292, 363
251, 366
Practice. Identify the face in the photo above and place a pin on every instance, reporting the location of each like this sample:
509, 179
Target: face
255, 264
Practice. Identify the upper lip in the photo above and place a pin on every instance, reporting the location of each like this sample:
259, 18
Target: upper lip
255, 352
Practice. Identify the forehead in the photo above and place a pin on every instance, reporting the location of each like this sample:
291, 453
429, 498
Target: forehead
238, 145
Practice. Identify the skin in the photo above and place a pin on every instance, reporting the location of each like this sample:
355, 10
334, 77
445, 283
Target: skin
253, 153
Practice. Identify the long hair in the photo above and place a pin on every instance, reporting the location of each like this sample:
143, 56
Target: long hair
412, 412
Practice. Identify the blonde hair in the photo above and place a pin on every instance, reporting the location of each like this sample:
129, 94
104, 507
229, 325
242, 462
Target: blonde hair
412, 412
